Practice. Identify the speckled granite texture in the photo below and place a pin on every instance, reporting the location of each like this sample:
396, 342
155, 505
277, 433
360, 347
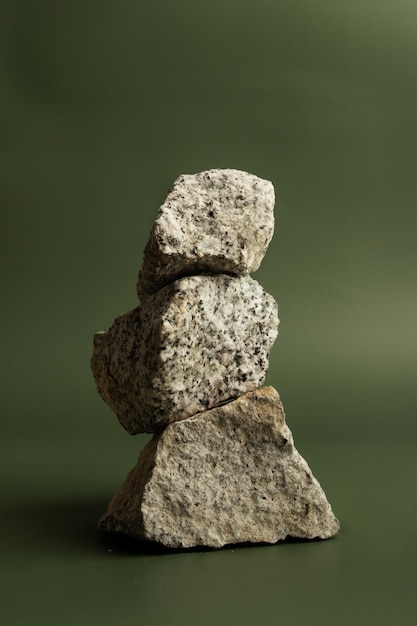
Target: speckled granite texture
194, 344
231, 475
188, 365
216, 221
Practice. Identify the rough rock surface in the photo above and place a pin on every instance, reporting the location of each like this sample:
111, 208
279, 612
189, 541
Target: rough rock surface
217, 221
230, 476
194, 344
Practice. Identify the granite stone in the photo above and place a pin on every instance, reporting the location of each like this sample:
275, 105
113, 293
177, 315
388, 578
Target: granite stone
218, 221
196, 343
231, 475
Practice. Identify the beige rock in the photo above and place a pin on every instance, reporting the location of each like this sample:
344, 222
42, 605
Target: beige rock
218, 221
194, 344
231, 475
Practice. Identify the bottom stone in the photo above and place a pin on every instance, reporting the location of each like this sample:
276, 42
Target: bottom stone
229, 475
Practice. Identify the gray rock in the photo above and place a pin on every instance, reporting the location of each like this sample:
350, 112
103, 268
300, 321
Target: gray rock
218, 221
231, 475
194, 344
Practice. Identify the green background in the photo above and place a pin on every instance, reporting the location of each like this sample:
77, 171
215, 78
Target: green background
103, 104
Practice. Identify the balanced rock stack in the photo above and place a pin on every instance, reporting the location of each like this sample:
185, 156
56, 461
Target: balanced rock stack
188, 365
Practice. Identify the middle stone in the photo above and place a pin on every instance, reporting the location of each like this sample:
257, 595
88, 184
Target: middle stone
198, 342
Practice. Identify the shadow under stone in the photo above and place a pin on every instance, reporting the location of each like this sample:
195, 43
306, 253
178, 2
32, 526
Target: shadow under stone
70, 528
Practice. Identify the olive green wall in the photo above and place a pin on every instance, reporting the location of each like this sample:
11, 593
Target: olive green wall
105, 103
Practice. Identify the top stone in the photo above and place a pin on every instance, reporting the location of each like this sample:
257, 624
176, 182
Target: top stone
218, 221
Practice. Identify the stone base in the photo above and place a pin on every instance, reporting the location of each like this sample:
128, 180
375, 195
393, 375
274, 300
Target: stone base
229, 475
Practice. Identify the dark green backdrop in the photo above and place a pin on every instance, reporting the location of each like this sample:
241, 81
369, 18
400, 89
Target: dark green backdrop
104, 103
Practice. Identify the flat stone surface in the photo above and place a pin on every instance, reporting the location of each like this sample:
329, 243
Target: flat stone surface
218, 221
231, 475
194, 344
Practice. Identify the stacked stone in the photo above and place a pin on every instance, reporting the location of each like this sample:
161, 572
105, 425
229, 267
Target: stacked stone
188, 365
